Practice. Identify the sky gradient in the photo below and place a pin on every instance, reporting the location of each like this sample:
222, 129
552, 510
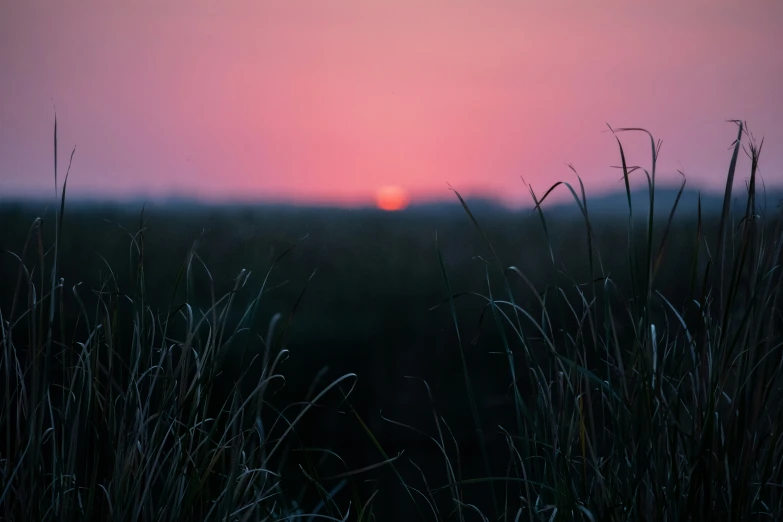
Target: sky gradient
326, 101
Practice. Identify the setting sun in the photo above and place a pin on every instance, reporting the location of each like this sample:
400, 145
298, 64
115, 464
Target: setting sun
391, 198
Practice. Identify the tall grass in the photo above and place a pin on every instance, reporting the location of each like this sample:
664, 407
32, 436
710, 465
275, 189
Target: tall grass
126, 415
644, 408
623, 403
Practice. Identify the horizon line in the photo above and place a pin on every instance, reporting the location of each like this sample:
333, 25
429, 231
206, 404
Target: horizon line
179, 199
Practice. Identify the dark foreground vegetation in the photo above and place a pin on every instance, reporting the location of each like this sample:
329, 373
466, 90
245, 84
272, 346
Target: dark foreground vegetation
211, 364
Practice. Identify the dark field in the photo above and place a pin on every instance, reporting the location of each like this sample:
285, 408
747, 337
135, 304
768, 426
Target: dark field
360, 287
364, 292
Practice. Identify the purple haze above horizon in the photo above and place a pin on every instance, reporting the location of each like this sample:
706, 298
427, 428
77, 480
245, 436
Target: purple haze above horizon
327, 102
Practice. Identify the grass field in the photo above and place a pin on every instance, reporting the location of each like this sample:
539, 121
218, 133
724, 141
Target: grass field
449, 363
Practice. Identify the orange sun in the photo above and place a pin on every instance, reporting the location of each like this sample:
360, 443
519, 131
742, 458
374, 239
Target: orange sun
391, 198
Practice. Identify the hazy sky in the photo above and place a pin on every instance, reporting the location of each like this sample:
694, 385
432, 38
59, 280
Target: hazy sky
328, 100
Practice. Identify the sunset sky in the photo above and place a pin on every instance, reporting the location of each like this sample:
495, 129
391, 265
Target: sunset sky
327, 101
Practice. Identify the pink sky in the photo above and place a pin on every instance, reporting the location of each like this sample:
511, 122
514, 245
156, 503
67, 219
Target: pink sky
325, 101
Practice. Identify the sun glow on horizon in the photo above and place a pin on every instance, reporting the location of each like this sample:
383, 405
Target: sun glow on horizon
391, 198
